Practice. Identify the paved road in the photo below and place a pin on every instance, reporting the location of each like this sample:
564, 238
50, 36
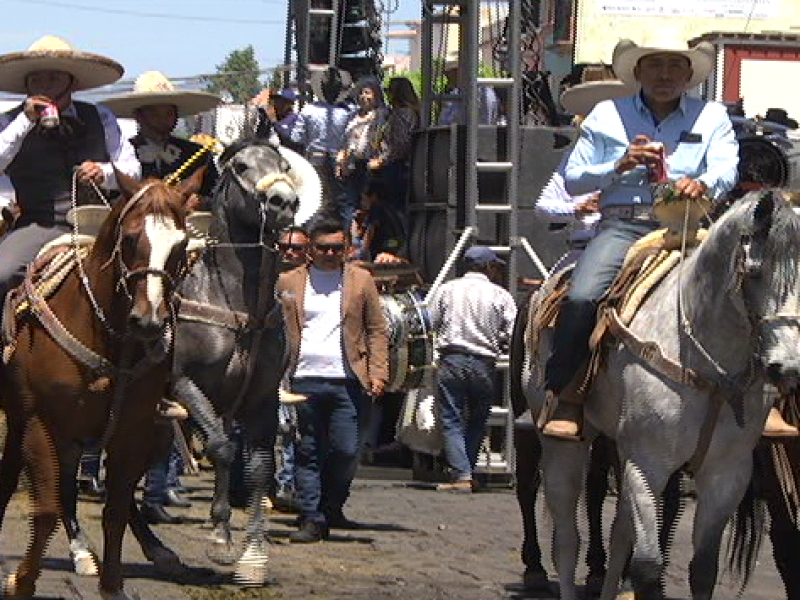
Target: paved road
416, 544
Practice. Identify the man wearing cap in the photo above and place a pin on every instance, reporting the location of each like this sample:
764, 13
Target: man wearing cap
276, 113
621, 143
471, 317
76, 141
156, 105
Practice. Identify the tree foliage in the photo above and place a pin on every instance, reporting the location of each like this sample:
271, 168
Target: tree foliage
238, 75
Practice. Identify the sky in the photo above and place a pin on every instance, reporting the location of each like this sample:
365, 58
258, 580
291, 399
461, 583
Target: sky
181, 38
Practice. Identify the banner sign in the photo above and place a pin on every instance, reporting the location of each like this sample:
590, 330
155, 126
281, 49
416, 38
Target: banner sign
731, 9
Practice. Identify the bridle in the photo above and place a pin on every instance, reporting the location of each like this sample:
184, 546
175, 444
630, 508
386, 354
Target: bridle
126, 275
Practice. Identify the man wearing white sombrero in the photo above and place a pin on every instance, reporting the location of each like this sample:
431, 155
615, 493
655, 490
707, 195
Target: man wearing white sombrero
156, 104
621, 146
41, 157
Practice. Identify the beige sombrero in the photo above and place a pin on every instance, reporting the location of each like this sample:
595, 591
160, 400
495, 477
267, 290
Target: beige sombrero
627, 54
152, 88
581, 99
53, 53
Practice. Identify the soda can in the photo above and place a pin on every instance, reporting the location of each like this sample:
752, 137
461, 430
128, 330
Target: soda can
49, 116
658, 171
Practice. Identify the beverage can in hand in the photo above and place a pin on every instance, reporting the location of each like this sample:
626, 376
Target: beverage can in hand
49, 116
658, 171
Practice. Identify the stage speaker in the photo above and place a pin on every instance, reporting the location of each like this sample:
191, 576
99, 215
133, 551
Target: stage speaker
541, 151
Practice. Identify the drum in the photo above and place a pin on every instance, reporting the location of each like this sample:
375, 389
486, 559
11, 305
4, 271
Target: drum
410, 340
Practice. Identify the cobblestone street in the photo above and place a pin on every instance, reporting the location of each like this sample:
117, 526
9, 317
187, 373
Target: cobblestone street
415, 544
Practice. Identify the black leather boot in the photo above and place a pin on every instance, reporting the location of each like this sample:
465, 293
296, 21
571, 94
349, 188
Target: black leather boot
155, 514
310, 532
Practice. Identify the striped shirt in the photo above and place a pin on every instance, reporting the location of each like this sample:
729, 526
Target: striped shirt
471, 315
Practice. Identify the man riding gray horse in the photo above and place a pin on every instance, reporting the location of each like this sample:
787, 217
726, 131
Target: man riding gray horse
622, 144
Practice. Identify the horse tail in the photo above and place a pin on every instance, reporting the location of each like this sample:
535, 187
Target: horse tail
517, 357
747, 528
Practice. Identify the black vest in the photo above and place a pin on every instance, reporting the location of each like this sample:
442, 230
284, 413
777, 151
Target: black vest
161, 169
41, 172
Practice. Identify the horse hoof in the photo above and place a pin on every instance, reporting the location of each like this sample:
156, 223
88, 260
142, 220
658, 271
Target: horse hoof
13, 590
251, 568
221, 553
168, 563
119, 595
85, 563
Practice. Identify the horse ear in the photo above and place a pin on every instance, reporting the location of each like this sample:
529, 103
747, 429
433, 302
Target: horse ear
193, 183
127, 185
762, 213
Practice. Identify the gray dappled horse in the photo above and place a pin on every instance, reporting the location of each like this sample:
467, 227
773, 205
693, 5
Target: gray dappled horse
229, 354
729, 313
229, 344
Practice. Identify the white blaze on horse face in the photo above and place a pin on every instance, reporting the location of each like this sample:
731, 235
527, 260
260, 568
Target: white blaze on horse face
163, 235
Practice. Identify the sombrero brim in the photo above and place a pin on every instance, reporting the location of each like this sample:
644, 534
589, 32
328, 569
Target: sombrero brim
187, 103
701, 58
581, 99
89, 70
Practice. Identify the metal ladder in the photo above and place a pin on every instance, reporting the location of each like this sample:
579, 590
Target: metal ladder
468, 19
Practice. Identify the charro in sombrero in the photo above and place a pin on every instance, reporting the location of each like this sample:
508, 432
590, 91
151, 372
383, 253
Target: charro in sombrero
627, 55
153, 88
52, 53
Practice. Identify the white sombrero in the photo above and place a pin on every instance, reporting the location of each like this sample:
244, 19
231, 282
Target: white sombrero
51, 53
153, 88
581, 99
317, 79
627, 55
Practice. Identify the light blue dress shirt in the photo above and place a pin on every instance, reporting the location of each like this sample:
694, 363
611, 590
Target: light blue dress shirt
320, 128
698, 138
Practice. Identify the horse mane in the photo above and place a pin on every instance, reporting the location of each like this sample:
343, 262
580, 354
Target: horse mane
239, 145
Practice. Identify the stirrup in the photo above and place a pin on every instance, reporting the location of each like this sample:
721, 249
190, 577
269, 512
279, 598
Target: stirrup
549, 415
776, 427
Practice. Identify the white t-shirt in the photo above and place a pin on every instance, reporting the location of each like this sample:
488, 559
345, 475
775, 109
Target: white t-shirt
321, 353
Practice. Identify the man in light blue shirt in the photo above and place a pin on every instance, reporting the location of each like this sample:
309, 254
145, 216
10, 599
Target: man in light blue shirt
319, 128
618, 153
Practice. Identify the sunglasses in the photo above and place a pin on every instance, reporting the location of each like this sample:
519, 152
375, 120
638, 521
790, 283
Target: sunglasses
295, 247
329, 247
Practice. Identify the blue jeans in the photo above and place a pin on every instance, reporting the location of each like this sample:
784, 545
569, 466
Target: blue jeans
594, 273
331, 423
285, 477
161, 476
466, 387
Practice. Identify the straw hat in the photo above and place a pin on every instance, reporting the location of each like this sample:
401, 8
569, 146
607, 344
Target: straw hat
52, 53
627, 55
581, 99
153, 87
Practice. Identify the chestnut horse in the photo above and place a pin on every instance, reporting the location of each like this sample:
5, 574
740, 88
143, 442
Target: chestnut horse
91, 361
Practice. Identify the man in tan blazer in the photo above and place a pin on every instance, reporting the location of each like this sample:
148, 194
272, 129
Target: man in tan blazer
338, 358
